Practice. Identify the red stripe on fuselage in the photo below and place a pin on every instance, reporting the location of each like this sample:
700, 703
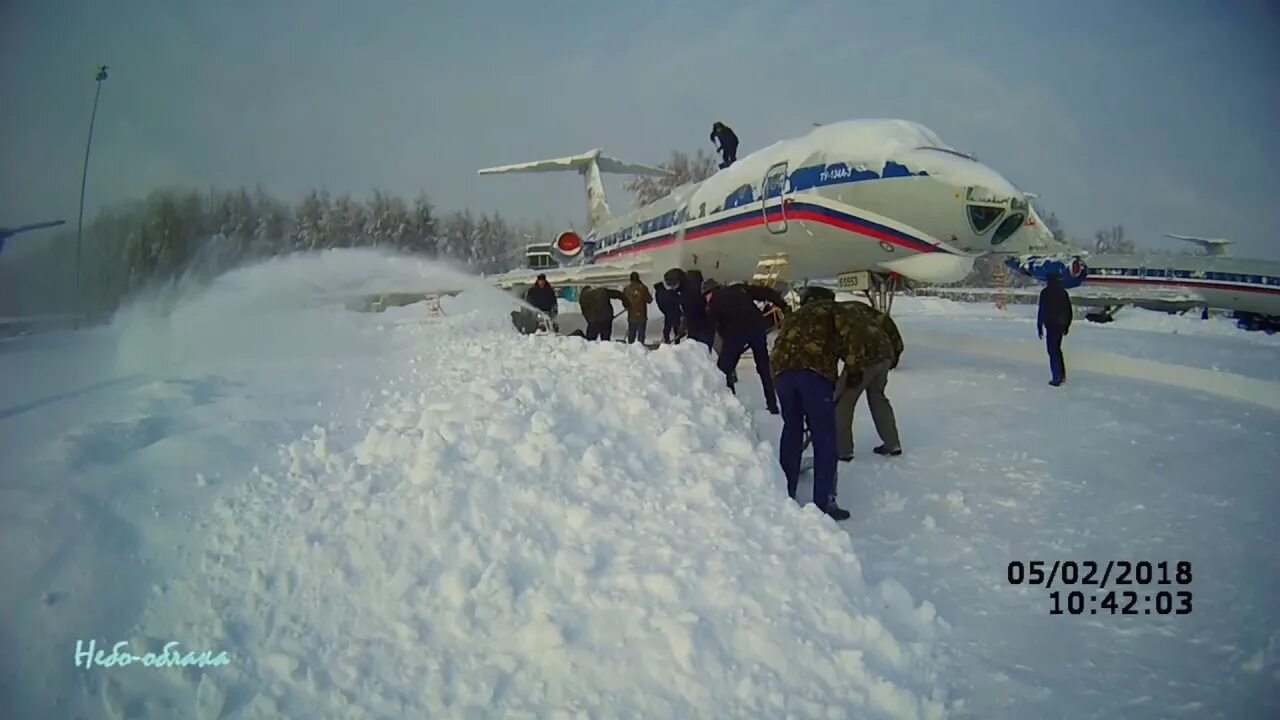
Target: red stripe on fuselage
753, 219
858, 228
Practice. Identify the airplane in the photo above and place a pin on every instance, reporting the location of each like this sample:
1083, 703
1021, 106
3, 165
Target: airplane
1249, 288
6, 233
884, 198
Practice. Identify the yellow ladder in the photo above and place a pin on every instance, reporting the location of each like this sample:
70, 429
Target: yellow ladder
769, 270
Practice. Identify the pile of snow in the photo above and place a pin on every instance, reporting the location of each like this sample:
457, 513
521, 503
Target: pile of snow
496, 525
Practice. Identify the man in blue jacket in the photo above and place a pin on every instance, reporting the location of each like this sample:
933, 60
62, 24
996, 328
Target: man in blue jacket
543, 297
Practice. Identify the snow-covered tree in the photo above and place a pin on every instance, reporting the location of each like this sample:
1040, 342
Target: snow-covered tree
309, 226
387, 223
1112, 240
684, 169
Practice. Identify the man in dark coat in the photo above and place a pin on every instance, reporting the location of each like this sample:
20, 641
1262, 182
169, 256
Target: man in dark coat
669, 304
638, 298
694, 306
543, 297
741, 325
1054, 315
720, 133
597, 309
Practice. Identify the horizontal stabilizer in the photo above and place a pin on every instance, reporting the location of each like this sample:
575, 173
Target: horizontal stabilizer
578, 163
589, 165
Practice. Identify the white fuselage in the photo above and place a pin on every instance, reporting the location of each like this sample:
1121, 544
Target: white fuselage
1251, 286
882, 195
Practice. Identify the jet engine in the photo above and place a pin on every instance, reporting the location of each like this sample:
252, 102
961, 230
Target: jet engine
1070, 268
568, 244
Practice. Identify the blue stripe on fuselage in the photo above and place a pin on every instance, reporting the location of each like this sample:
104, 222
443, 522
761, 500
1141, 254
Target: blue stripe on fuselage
803, 179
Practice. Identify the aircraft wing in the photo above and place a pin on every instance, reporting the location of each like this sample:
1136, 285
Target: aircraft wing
576, 275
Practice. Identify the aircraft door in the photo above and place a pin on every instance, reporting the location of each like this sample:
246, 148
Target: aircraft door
773, 198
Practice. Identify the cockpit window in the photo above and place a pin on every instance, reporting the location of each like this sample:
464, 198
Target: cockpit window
982, 217
1007, 228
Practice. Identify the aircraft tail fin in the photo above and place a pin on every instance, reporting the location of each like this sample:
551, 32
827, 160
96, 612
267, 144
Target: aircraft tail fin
589, 165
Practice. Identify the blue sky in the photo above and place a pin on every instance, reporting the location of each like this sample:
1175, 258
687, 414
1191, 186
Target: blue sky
1156, 115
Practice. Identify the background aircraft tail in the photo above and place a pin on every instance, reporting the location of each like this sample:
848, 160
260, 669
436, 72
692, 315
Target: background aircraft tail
1216, 247
589, 165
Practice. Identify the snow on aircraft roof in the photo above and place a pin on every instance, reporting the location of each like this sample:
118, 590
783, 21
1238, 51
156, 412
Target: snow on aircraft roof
870, 143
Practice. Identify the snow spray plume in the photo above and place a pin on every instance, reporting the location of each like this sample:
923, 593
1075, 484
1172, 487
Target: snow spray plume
284, 307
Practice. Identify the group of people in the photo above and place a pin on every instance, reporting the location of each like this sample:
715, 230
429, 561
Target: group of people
596, 305
801, 376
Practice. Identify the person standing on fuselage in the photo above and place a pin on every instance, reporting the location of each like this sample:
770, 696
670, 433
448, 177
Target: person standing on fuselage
728, 143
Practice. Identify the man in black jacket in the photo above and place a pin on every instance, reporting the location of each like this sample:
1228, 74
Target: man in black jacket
1054, 315
741, 325
728, 141
694, 307
669, 304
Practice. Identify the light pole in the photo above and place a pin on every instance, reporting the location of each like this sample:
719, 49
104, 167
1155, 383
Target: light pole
84, 177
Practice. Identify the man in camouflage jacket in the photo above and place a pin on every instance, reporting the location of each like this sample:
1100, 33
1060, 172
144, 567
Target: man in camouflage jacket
597, 310
871, 379
806, 355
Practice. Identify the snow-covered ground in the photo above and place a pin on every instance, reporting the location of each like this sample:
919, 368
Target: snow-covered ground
1136, 333
385, 515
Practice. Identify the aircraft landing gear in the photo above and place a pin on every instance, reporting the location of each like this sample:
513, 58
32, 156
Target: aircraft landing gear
879, 288
1254, 322
883, 288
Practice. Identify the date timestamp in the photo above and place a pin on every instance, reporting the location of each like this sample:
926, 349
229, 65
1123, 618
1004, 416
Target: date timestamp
1088, 572
1169, 596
